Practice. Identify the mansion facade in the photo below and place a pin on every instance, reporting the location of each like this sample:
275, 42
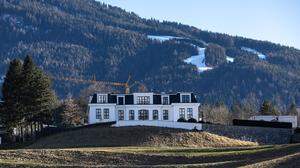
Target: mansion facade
142, 107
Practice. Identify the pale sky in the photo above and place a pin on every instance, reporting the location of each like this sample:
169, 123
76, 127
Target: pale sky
273, 20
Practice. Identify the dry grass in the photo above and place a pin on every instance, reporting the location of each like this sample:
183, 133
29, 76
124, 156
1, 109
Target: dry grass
136, 136
148, 147
292, 160
261, 156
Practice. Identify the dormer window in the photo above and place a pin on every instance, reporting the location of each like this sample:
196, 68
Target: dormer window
102, 99
143, 100
186, 98
165, 100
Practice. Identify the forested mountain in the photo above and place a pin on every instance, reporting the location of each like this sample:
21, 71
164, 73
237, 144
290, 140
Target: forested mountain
85, 38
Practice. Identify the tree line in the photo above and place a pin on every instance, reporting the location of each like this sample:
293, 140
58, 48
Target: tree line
220, 113
30, 103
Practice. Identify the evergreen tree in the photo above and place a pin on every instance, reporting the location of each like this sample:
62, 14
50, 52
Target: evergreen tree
37, 96
10, 115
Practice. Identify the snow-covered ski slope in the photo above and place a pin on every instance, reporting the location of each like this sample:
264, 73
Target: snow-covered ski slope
162, 38
260, 55
197, 60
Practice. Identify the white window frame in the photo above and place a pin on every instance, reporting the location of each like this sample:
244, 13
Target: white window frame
143, 115
99, 114
119, 102
168, 102
156, 114
181, 97
121, 117
182, 113
106, 114
165, 117
131, 115
102, 98
190, 113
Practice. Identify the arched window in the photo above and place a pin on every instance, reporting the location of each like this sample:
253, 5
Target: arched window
143, 114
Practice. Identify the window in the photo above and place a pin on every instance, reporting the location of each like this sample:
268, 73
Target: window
165, 115
143, 115
98, 114
185, 99
106, 114
165, 100
121, 114
102, 99
131, 114
143, 100
120, 100
189, 113
181, 113
155, 114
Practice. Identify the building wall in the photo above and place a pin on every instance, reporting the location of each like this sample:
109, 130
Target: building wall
290, 119
92, 113
165, 124
135, 96
177, 106
113, 110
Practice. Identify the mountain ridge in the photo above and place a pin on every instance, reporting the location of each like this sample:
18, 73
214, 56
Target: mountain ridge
83, 38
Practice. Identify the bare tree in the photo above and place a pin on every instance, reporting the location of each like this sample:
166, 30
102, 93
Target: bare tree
218, 114
71, 113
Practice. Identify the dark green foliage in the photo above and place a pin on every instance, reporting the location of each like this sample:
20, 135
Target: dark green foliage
10, 115
83, 38
181, 120
215, 55
192, 120
38, 98
267, 108
28, 98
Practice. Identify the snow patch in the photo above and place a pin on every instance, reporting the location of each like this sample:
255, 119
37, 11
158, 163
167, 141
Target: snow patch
199, 60
259, 54
229, 59
2, 79
162, 38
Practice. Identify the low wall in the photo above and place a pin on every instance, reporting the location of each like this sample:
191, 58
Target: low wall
261, 135
165, 124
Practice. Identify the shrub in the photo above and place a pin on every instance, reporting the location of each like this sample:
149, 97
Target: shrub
181, 120
192, 120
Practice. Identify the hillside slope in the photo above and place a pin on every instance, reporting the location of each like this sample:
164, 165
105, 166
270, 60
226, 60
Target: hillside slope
83, 38
135, 136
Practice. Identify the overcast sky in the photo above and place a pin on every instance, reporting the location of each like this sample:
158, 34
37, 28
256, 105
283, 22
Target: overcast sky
273, 20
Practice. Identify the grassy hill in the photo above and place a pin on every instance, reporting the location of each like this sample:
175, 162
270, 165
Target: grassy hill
148, 147
135, 136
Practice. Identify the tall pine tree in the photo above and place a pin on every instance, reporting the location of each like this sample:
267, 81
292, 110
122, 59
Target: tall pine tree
37, 96
11, 116
28, 98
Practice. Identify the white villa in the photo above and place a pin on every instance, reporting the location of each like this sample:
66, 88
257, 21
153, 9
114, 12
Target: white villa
143, 108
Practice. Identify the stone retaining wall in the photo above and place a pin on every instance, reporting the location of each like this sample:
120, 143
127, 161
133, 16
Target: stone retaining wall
255, 134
